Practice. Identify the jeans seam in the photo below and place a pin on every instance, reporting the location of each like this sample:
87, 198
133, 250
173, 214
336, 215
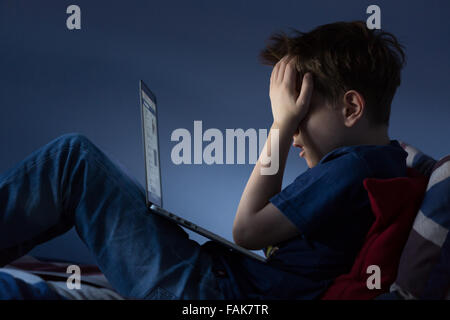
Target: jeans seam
113, 178
34, 164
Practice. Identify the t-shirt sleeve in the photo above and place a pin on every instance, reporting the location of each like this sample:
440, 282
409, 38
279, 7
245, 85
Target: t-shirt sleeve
324, 194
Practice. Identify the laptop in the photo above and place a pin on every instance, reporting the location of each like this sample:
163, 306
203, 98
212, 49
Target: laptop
153, 181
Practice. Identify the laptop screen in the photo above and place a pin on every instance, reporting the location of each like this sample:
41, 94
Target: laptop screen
151, 145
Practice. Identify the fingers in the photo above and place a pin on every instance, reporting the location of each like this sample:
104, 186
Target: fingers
283, 63
274, 76
278, 70
281, 67
306, 91
290, 75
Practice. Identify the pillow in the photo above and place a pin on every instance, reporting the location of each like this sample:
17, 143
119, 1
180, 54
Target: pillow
424, 269
394, 202
418, 160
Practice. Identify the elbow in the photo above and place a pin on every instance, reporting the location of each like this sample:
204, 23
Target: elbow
238, 236
243, 238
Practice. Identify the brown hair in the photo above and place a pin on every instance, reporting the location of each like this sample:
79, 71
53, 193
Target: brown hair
343, 56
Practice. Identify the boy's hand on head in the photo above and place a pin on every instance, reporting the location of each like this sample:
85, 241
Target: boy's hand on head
258, 222
289, 107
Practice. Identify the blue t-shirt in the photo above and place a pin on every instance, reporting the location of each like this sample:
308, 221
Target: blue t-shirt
330, 207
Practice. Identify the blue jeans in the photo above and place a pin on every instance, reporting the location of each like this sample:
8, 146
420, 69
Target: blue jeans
71, 182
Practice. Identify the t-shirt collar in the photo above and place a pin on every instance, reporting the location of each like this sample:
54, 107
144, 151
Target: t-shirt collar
346, 149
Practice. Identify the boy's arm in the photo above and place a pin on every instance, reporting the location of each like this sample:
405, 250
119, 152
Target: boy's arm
258, 223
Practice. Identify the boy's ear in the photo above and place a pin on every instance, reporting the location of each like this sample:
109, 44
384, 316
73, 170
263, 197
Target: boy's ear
353, 107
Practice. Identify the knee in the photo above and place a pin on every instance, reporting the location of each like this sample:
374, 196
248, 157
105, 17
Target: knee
75, 140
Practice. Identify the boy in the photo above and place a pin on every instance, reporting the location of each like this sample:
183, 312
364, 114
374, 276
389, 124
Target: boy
338, 114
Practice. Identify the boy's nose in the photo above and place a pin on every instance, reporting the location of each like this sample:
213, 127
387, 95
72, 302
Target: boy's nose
296, 143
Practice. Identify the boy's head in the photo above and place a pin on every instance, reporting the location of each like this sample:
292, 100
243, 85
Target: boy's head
356, 73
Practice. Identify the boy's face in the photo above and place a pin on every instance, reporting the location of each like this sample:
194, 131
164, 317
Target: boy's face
320, 131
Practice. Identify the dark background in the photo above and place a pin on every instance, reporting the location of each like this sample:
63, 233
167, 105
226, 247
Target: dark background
200, 59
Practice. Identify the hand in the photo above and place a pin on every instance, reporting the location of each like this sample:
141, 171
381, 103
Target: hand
288, 106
